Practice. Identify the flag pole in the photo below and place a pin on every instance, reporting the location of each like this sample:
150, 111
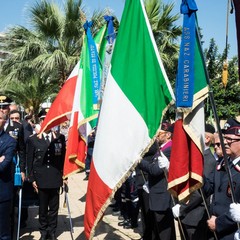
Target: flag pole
207, 210
212, 101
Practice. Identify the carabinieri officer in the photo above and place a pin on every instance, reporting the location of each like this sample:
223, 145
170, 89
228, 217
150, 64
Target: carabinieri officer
46, 153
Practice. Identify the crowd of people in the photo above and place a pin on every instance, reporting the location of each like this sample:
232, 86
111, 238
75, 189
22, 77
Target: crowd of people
40, 158
209, 212
212, 212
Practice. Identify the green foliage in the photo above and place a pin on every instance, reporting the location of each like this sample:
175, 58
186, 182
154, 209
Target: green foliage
226, 99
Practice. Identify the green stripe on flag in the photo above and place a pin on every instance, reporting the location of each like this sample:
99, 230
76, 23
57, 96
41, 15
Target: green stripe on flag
200, 81
86, 99
140, 77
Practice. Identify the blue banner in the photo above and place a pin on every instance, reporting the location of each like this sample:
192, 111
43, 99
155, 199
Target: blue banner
111, 34
185, 75
94, 64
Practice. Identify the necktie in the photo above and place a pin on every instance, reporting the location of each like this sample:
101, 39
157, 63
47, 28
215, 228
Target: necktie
47, 139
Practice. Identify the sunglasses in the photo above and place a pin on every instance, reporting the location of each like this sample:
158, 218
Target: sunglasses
231, 140
217, 144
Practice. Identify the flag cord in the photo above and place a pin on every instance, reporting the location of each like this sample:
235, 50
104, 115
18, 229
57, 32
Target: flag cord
225, 157
207, 210
225, 62
227, 19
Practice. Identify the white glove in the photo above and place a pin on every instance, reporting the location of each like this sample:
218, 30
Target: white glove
237, 235
163, 161
176, 210
235, 211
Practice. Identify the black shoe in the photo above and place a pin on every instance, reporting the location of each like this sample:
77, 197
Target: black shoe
113, 205
128, 225
86, 178
124, 222
116, 209
116, 213
121, 218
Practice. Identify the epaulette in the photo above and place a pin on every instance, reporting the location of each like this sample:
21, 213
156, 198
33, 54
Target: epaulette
237, 166
236, 163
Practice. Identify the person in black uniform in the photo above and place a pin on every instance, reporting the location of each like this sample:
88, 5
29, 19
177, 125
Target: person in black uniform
90, 146
160, 215
46, 153
15, 130
218, 184
193, 214
7, 151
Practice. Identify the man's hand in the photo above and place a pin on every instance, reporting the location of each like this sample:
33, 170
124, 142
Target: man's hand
2, 158
235, 211
34, 184
163, 161
23, 176
212, 223
176, 210
237, 235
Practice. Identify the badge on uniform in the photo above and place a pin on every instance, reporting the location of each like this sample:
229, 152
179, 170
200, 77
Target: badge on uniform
58, 149
14, 133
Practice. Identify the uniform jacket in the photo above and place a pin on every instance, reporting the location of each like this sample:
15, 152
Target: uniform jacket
45, 162
159, 197
15, 130
27, 129
194, 211
7, 149
218, 184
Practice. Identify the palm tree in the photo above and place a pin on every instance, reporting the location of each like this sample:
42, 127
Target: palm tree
52, 45
31, 93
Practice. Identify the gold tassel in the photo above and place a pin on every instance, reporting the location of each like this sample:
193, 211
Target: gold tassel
225, 74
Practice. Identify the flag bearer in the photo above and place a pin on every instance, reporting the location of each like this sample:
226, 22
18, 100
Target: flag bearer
46, 153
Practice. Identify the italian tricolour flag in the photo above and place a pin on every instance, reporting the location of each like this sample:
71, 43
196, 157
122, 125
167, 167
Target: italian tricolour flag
75, 103
136, 95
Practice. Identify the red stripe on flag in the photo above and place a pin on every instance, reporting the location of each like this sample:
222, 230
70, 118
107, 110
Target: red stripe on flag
76, 149
96, 199
186, 164
62, 105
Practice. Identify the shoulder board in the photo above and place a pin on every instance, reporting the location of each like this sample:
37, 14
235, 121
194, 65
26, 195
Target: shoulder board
237, 166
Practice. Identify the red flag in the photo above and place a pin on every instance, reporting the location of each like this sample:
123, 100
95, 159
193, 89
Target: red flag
76, 149
186, 164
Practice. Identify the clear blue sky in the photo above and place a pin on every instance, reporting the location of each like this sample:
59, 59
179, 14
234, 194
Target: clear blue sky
211, 17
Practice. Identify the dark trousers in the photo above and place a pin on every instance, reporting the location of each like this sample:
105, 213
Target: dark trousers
199, 232
163, 225
48, 210
145, 214
5, 220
